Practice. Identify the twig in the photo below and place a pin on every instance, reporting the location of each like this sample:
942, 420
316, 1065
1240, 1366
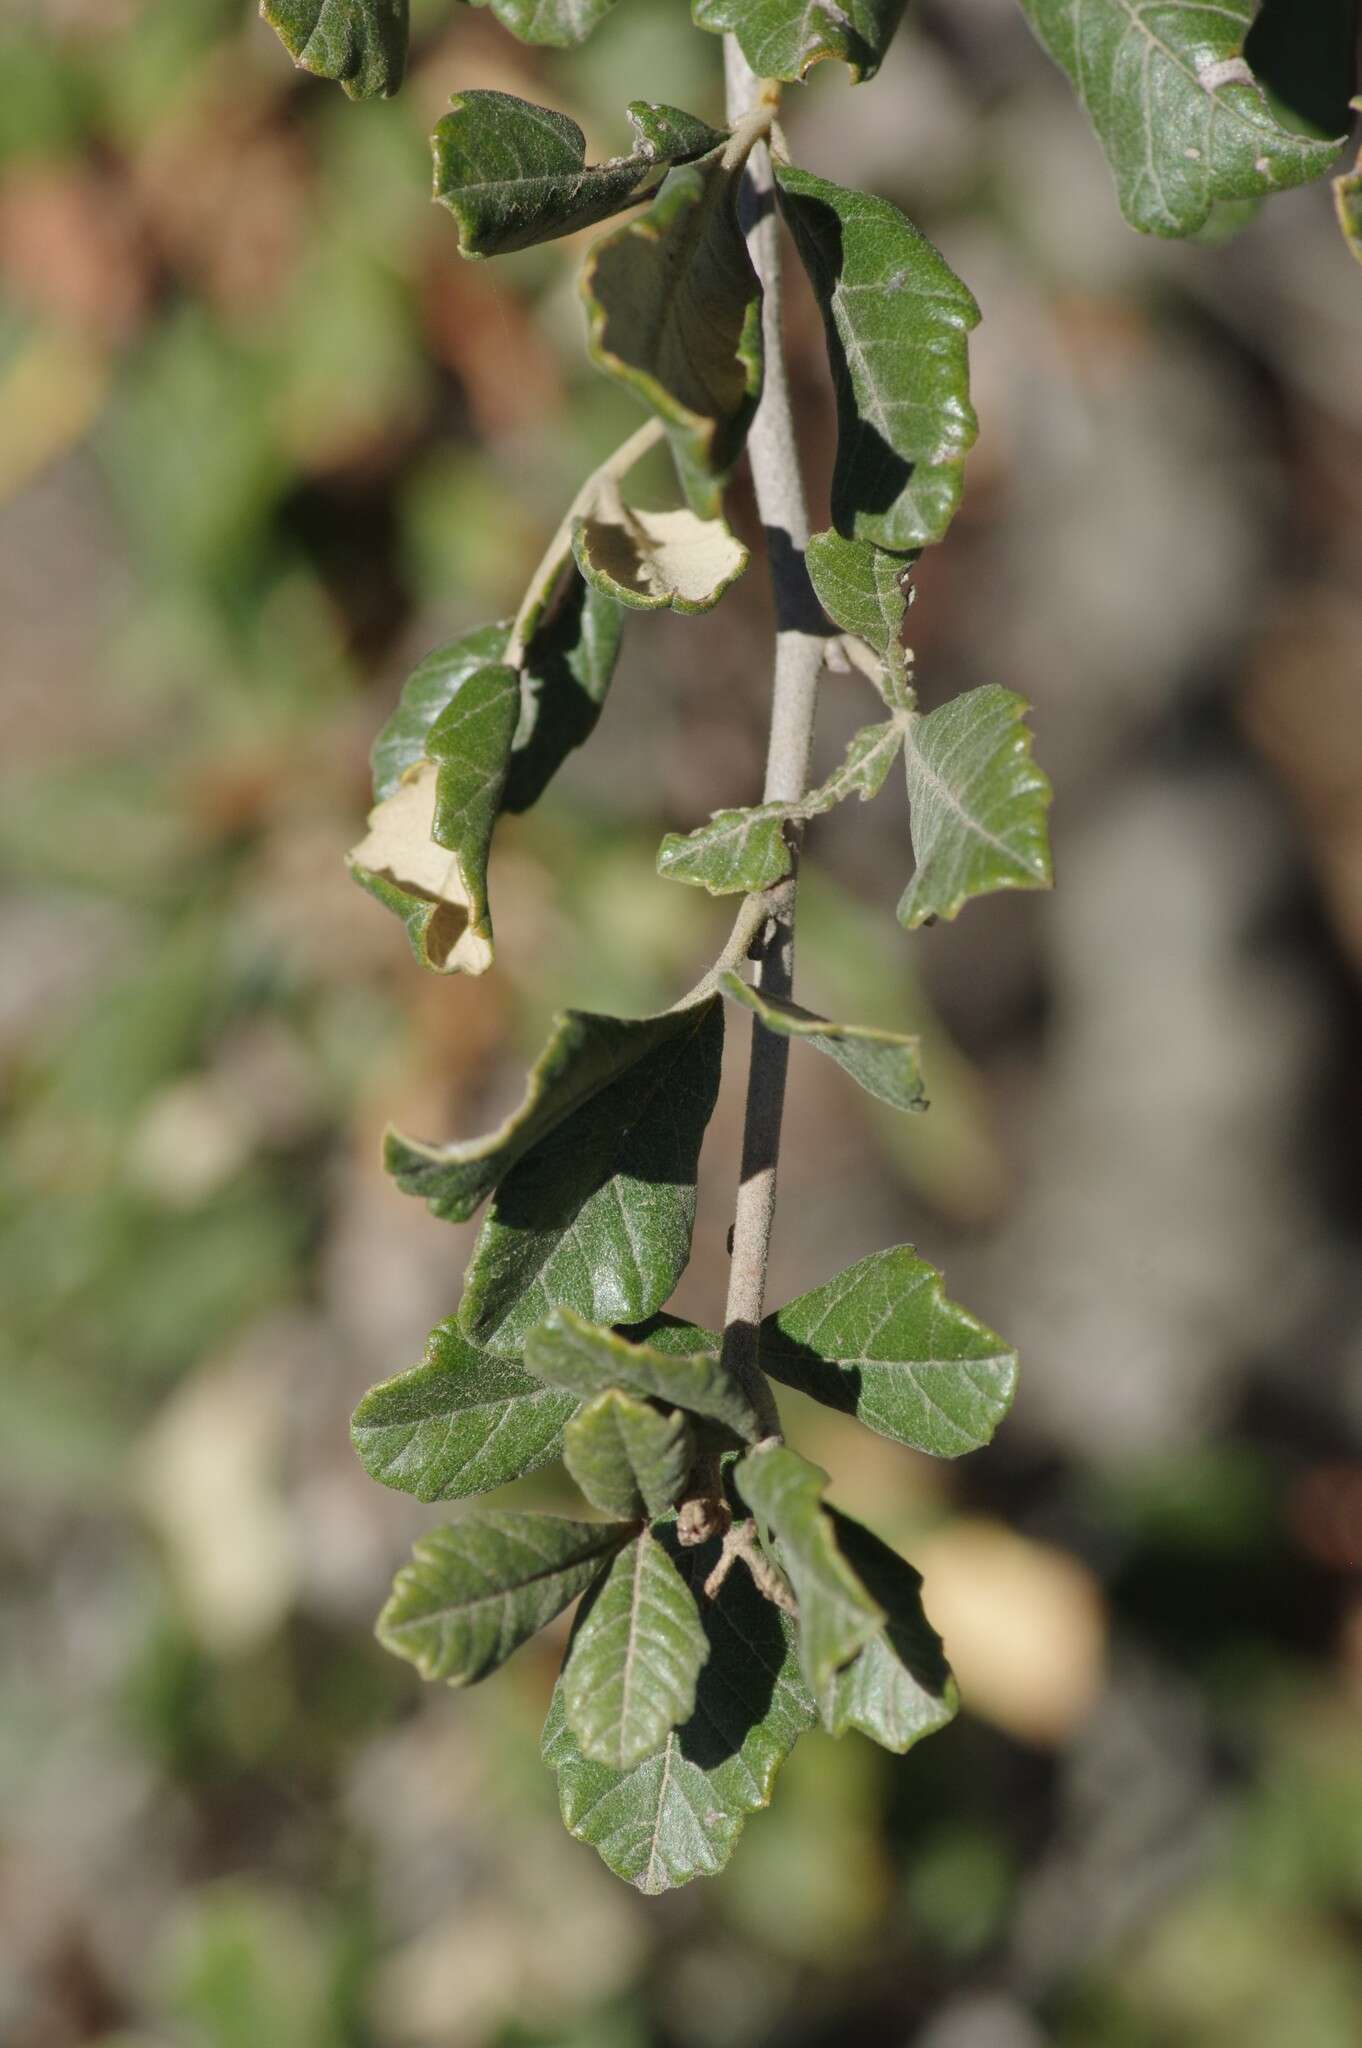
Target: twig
800, 646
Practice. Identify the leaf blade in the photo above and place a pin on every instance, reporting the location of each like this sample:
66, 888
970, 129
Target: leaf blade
656, 561
478, 1588
882, 1342
569, 1351
628, 1458
785, 38
459, 1423
837, 1616
885, 1063
978, 805
897, 321
636, 1654
1182, 120
362, 44
900, 1688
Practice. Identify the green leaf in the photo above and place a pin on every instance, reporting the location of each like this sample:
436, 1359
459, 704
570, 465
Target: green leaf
881, 1342
425, 853
585, 1053
978, 804
674, 312
900, 1686
677, 1815
656, 561
459, 1423
885, 1063
629, 1458
565, 676
1181, 117
896, 318
568, 1351
598, 1216
837, 1616
739, 851
513, 174
479, 1588
861, 588
559, 23
569, 666
636, 1654
361, 43
786, 38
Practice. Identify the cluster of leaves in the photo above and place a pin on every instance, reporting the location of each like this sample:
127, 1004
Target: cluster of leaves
724, 1606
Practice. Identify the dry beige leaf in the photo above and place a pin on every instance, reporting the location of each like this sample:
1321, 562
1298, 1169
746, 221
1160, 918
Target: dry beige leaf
652, 560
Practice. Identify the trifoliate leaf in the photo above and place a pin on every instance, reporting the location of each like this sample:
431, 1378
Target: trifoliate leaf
598, 1215
896, 318
559, 23
837, 1616
636, 1653
861, 588
785, 38
425, 854
1181, 117
513, 174
882, 1343
654, 561
629, 1459
459, 1423
899, 1688
585, 1053
479, 1588
568, 1351
674, 312
677, 1815
977, 802
885, 1063
360, 43
739, 851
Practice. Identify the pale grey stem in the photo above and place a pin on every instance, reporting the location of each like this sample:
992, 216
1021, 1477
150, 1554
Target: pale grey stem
800, 647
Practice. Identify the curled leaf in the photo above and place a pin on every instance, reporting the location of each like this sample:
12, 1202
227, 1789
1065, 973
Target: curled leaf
899, 1687
652, 561
425, 854
513, 174
786, 38
629, 1458
674, 312
837, 1616
885, 1063
897, 320
558, 23
360, 43
862, 589
568, 1351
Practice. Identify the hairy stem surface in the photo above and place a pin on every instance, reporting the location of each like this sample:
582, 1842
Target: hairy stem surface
800, 647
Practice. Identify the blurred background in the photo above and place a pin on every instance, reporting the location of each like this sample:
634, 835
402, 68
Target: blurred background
264, 441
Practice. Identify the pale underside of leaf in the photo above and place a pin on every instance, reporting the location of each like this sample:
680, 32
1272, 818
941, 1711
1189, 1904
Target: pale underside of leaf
629, 1459
882, 1342
567, 1350
1181, 118
656, 561
885, 1063
897, 321
597, 1217
636, 1654
677, 1814
786, 38
837, 1616
584, 1054
476, 1589
459, 1423
978, 805
362, 44
739, 851
399, 862
674, 312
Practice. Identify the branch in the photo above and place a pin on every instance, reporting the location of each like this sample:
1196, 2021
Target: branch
800, 648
